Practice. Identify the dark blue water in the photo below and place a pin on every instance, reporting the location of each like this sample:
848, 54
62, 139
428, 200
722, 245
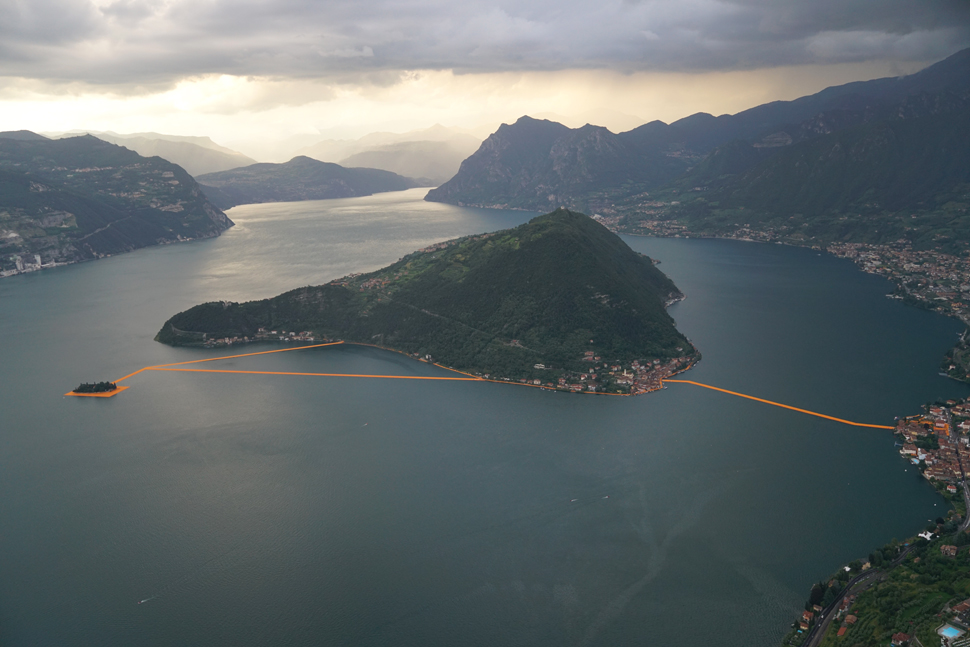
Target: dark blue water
257, 510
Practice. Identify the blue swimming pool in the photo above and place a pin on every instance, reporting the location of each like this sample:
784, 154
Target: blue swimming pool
949, 631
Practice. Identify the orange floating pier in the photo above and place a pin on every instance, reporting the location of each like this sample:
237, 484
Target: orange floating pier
783, 406
389, 377
466, 377
106, 394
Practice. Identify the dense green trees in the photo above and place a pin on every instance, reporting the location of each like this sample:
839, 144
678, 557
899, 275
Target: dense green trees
96, 387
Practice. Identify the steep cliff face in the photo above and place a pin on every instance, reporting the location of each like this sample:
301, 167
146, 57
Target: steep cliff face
538, 164
508, 169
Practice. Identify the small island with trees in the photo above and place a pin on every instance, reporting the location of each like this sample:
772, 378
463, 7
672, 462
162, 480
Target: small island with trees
97, 389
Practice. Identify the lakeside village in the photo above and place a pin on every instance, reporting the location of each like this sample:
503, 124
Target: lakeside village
23, 263
932, 442
263, 335
635, 379
927, 279
604, 377
907, 594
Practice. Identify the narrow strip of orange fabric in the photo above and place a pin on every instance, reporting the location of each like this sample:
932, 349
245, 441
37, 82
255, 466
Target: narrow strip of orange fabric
389, 377
783, 406
468, 378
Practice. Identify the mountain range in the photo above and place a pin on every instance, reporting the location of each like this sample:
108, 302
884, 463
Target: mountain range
780, 159
67, 200
431, 155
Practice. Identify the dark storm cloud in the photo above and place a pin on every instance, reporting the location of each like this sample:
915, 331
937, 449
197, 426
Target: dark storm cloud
151, 41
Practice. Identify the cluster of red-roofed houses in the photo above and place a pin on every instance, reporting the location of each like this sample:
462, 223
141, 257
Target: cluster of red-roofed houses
921, 433
843, 610
638, 377
808, 617
962, 612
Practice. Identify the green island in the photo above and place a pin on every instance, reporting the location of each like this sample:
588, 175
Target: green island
96, 387
915, 592
559, 302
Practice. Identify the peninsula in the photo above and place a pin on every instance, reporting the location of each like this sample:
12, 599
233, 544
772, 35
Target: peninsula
559, 302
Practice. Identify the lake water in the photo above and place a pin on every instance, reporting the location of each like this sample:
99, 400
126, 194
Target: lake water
268, 510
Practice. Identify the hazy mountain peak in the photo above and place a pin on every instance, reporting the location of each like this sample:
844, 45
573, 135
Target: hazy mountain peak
197, 155
22, 135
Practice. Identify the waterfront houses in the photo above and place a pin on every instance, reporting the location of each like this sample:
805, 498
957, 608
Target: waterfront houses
933, 442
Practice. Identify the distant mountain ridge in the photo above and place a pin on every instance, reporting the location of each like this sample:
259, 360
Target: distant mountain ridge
197, 160
535, 164
432, 155
73, 199
428, 162
22, 135
197, 155
335, 150
301, 178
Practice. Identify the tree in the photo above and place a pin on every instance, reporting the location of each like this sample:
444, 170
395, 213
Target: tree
818, 592
831, 594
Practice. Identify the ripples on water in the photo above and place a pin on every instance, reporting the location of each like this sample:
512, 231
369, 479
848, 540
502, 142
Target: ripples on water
253, 510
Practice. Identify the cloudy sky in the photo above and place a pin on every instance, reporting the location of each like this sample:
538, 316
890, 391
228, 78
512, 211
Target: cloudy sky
253, 72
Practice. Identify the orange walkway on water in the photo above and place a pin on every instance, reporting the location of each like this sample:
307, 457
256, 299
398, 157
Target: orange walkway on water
467, 378
390, 377
783, 406
173, 367
105, 394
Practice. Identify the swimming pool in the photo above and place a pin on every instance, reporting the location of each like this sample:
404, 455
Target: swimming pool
949, 631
